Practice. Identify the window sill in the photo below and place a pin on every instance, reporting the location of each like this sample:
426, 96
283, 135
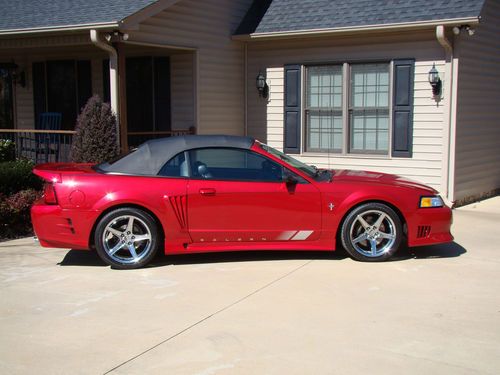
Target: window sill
346, 156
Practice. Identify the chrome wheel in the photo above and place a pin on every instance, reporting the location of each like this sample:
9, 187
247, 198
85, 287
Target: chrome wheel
373, 233
127, 239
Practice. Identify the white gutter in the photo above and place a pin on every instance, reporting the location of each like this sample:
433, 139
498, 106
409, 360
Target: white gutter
356, 29
66, 28
113, 73
450, 95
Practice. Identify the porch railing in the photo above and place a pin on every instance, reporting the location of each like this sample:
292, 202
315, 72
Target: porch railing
41, 146
44, 146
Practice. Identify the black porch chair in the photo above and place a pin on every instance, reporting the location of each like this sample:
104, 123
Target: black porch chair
47, 143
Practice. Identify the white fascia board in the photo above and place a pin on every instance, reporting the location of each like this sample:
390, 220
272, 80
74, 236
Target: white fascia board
56, 29
358, 29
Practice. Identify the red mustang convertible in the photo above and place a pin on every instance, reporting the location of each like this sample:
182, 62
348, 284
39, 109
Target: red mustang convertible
193, 194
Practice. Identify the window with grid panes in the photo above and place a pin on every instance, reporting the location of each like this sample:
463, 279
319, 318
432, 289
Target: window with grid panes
368, 109
324, 108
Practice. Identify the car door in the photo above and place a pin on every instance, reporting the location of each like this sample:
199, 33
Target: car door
237, 195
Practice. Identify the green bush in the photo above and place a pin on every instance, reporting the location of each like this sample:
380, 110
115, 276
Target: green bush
16, 176
15, 219
95, 140
7, 150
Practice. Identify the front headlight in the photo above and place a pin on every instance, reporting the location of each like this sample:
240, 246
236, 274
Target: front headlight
434, 201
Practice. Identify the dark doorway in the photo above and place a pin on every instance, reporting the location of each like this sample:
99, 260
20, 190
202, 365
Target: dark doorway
6, 99
62, 86
148, 97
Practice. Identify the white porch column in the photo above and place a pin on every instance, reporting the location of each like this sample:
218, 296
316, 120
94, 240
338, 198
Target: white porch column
113, 75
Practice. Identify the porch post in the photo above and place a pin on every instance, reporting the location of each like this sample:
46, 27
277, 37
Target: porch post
113, 75
122, 98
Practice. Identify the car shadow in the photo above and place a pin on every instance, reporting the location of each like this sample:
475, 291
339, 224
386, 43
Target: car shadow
91, 259
447, 250
82, 258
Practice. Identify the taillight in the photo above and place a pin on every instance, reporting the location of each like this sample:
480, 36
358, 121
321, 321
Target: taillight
49, 194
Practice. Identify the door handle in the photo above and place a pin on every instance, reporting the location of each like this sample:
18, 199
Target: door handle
207, 191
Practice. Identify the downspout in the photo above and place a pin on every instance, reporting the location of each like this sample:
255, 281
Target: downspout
450, 116
113, 74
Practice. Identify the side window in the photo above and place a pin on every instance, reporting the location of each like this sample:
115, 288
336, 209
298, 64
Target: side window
175, 167
233, 164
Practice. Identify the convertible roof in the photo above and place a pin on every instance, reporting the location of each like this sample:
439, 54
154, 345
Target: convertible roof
150, 156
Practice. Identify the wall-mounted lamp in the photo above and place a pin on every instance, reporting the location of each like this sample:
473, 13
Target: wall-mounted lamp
261, 84
458, 29
435, 81
19, 77
12, 71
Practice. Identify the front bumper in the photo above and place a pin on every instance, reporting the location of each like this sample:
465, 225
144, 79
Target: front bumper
430, 226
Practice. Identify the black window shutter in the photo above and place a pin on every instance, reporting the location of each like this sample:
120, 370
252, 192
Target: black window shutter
84, 82
106, 92
402, 113
39, 90
162, 93
292, 109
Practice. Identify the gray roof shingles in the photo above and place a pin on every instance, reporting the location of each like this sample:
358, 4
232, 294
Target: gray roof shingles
267, 16
35, 14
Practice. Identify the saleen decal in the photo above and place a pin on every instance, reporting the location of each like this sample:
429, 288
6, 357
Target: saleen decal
294, 235
302, 235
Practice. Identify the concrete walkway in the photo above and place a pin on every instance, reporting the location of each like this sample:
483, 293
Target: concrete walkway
434, 310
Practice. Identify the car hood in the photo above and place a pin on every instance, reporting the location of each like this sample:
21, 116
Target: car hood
346, 175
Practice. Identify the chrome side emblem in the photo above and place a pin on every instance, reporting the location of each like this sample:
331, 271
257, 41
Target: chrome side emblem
331, 206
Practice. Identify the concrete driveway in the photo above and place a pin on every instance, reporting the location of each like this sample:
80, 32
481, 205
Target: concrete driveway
434, 310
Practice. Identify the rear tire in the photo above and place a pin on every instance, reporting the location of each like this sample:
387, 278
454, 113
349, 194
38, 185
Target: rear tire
126, 238
372, 232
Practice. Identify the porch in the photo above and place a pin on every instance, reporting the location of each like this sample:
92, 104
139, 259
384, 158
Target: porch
43, 146
151, 89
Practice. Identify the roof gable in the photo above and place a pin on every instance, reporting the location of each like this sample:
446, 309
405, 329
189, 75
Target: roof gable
36, 14
268, 16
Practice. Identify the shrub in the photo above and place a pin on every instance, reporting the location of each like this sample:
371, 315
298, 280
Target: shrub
95, 140
15, 217
7, 150
16, 176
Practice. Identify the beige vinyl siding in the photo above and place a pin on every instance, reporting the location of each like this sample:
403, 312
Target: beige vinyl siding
182, 91
265, 117
477, 162
207, 26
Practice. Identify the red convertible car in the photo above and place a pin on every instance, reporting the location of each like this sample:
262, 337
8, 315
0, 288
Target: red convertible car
194, 194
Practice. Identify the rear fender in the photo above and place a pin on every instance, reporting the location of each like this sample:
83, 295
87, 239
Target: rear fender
175, 236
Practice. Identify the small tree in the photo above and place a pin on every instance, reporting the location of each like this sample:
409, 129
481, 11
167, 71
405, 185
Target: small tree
95, 140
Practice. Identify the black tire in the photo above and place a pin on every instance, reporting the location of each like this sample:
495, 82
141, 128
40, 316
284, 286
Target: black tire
126, 238
372, 232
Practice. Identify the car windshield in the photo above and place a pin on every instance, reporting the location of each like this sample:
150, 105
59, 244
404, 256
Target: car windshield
311, 171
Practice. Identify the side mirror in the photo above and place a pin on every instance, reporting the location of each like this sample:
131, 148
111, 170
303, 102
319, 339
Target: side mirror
291, 181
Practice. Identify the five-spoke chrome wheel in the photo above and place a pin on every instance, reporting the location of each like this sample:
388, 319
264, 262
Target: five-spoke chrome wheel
126, 238
372, 232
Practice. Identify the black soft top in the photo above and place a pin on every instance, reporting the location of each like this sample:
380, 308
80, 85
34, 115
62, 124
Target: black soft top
150, 156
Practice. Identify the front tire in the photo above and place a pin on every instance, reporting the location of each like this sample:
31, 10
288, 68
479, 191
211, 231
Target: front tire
372, 232
126, 238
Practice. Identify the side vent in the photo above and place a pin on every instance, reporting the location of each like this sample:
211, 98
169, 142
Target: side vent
423, 231
179, 206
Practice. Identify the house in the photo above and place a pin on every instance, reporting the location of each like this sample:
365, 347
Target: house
342, 84
165, 65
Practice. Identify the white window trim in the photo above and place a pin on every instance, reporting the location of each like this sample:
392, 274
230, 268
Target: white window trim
346, 75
